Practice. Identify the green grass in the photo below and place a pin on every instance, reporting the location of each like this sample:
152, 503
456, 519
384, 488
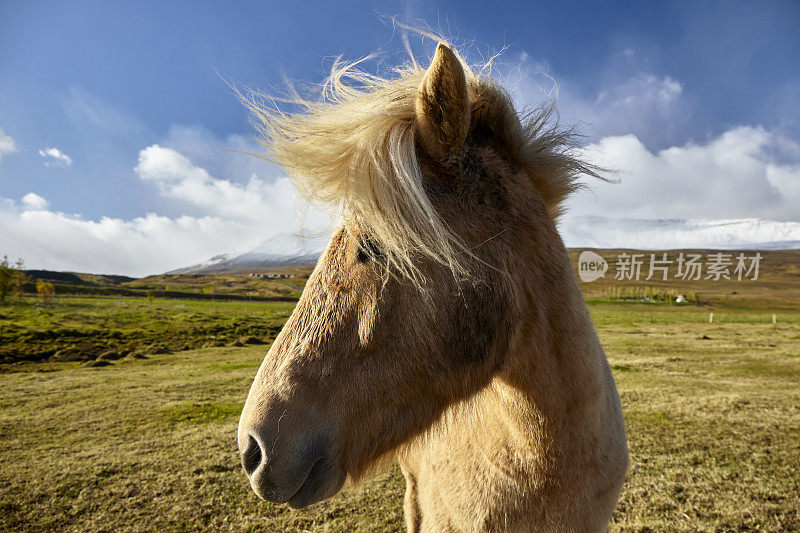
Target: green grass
149, 444
82, 328
201, 413
713, 416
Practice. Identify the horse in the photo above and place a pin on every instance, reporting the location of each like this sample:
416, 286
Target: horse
442, 327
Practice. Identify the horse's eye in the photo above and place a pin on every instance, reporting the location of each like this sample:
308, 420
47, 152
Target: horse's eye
367, 250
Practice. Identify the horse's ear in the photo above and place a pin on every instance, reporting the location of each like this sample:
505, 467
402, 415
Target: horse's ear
442, 106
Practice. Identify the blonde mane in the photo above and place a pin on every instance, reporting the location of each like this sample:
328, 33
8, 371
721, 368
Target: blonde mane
354, 150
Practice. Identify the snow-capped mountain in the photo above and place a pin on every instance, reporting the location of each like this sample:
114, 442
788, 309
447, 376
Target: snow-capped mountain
279, 251
578, 232
664, 234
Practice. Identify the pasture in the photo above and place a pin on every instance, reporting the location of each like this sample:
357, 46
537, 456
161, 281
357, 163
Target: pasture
83, 329
712, 410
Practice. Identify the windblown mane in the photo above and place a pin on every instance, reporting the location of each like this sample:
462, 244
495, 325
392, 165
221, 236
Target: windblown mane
354, 150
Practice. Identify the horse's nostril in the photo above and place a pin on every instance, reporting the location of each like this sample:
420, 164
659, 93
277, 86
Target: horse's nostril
251, 456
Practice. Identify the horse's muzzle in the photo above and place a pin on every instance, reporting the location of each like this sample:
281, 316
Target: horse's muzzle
301, 476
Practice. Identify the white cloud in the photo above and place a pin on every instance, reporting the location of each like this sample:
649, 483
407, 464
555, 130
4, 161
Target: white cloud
232, 218
641, 91
646, 105
665, 234
143, 245
7, 144
34, 202
743, 172
271, 204
739, 174
226, 157
625, 97
53, 157
694, 195
139, 246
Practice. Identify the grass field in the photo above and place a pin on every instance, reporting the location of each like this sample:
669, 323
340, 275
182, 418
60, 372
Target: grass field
713, 414
85, 328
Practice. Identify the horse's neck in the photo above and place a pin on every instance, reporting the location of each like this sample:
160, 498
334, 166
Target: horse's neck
554, 370
529, 446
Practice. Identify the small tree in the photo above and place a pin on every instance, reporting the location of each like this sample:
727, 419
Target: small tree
45, 290
6, 278
20, 278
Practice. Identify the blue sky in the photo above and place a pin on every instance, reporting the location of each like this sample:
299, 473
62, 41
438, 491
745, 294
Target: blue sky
667, 92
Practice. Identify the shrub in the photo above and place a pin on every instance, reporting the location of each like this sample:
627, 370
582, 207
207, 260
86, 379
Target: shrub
45, 290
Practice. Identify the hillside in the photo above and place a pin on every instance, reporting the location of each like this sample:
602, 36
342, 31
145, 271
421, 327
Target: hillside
286, 286
77, 278
777, 286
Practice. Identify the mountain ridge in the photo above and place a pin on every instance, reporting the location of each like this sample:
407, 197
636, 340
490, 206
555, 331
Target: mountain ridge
287, 250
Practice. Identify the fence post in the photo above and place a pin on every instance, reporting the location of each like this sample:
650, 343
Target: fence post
774, 321
710, 318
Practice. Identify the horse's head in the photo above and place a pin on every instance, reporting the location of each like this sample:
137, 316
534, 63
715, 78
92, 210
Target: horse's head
411, 308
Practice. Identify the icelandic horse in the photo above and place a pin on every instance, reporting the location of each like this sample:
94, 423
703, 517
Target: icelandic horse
443, 326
